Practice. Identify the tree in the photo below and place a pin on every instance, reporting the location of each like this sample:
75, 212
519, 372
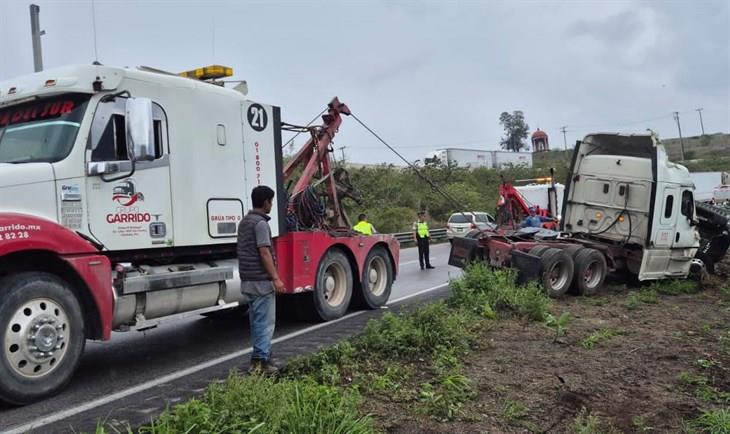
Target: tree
515, 130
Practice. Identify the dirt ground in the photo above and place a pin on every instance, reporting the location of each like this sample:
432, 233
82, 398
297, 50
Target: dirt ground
633, 381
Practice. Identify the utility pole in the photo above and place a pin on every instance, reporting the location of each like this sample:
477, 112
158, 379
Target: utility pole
679, 127
342, 149
702, 125
565, 140
36, 33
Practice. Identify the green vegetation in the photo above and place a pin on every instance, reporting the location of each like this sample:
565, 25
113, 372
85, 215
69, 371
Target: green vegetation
645, 295
599, 336
255, 404
675, 286
558, 325
513, 410
587, 423
484, 291
710, 422
703, 388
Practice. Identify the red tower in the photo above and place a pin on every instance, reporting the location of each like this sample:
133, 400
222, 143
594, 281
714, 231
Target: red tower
540, 141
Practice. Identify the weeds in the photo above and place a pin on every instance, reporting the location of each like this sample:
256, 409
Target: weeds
710, 422
703, 388
264, 405
443, 398
599, 336
558, 325
512, 410
490, 292
641, 424
587, 423
646, 296
675, 286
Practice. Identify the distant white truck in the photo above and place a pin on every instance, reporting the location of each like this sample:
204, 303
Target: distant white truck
711, 185
474, 158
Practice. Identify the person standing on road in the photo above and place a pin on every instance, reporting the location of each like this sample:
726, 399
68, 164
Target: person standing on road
363, 226
422, 237
260, 280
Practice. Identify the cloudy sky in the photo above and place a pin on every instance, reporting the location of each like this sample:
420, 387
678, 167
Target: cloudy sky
423, 74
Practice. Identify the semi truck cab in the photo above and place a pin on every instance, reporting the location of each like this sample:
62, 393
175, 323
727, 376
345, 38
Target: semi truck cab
623, 190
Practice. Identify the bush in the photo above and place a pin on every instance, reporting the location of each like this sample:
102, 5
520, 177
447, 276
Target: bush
423, 332
264, 405
485, 290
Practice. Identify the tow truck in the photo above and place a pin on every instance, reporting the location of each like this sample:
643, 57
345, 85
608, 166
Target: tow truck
626, 209
121, 190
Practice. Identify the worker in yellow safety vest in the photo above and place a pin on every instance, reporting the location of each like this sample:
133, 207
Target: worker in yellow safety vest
363, 226
422, 238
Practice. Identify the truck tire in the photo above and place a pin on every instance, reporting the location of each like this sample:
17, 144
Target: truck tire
538, 250
590, 271
556, 272
333, 287
377, 279
42, 336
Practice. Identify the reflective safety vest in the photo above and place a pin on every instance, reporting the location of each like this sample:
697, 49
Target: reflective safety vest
364, 228
422, 229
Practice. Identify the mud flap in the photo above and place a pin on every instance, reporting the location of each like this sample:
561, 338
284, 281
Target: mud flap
527, 266
463, 251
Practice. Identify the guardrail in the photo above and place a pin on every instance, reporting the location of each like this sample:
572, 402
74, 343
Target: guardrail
407, 237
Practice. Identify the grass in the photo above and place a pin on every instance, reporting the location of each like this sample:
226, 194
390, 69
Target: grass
645, 296
256, 404
587, 423
710, 422
493, 292
600, 336
675, 286
513, 410
703, 388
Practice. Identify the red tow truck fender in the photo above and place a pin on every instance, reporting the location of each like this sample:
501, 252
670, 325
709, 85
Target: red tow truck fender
26, 233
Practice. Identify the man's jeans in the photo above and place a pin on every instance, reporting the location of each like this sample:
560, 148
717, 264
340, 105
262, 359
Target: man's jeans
262, 316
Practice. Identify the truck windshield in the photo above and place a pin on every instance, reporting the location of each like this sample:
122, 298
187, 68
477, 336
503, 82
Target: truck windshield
42, 130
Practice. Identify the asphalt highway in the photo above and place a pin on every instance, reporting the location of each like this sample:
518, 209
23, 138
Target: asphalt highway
127, 368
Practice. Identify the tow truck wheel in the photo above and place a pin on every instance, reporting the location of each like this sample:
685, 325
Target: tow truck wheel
556, 272
590, 271
41, 336
538, 250
333, 289
377, 279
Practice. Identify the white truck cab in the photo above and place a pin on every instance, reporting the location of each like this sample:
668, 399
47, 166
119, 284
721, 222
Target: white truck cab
625, 191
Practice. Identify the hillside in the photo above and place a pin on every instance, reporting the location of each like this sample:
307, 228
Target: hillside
707, 153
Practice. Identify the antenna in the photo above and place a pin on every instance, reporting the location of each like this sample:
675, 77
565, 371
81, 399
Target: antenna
93, 26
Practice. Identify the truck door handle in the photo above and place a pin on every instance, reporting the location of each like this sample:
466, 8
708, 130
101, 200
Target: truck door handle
676, 238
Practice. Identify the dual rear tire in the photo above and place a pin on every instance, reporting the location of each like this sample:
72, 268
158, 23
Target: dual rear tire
575, 268
335, 288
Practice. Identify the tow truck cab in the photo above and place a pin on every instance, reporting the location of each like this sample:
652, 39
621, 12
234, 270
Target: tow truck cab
623, 190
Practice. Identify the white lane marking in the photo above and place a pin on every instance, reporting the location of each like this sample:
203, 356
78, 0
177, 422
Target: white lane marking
185, 372
406, 297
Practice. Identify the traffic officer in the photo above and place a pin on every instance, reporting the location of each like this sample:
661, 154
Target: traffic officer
422, 238
363, 226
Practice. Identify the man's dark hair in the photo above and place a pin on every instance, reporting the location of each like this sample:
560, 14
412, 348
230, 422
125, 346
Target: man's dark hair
361, 217
260, 194
423, 213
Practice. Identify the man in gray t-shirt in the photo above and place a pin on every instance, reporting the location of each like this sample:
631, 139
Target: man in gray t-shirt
259, 276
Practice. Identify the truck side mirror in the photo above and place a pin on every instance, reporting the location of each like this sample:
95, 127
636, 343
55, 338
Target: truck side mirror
139, 129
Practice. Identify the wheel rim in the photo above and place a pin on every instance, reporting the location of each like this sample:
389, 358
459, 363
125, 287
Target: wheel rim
592, 275
36, 338
335, 284
377, 276
557, 275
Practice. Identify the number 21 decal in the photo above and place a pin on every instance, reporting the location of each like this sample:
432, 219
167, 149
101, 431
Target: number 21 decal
257, 117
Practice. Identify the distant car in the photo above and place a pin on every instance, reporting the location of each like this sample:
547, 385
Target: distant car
461, 223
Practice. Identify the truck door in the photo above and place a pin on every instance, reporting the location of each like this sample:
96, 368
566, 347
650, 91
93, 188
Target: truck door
686, 239
655, 260
129, 207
